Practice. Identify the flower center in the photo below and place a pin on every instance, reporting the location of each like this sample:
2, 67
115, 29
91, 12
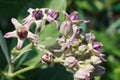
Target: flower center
22, 32
37, 13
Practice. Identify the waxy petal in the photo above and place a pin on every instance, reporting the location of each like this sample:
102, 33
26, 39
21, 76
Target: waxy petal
20, 43
11, 34
38, 25
15, 23
29, 23
30, 10
27, 19
32, 36
80, 21
66, 15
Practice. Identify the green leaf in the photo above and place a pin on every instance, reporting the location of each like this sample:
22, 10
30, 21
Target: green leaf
97, 78
113, 27
56, 72
30, 58
49, 35
4, 48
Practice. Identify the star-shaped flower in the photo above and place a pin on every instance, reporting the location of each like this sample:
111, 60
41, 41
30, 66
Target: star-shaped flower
39, 15
22, 32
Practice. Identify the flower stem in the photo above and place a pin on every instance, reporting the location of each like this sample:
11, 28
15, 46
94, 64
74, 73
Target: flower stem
23, 70
15, 51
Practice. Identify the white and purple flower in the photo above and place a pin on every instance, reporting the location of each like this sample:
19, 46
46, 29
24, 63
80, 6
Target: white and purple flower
39, 15
22, 32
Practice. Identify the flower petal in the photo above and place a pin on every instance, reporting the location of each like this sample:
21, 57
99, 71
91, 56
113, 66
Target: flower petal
80, 21
30, 10
16, 23
25, 20
38, 25
66, 15
29, 23
20, 43
10, 34
32, 36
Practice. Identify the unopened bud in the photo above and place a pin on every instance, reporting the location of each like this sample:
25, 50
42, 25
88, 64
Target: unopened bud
95, 60
70, 62
89, 68
82, 48
47, 57
66, 28
99, 70
82, 74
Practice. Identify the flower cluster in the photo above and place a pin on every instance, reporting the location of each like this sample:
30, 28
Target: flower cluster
78, 52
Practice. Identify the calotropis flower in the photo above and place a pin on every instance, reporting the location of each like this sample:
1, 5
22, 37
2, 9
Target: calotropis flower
53, 16
22, 32
67, 26
36, 14
74, 17
39, 15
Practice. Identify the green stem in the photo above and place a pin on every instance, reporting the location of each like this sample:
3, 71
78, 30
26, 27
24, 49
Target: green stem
16, 58
20, 52
23, 70
15, 51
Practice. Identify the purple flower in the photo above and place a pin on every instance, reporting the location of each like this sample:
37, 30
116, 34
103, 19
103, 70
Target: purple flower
70, 62
22, 32
38, 15
52, 17
82, 74
74, 18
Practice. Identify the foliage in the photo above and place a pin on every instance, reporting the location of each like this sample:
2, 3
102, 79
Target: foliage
104, 23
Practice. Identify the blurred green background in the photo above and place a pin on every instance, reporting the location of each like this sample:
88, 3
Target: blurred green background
104, 16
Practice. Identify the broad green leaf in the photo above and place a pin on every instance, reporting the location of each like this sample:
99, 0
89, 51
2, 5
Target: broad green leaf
49, 35
3, 44
97, 78
30, 58
56, 72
